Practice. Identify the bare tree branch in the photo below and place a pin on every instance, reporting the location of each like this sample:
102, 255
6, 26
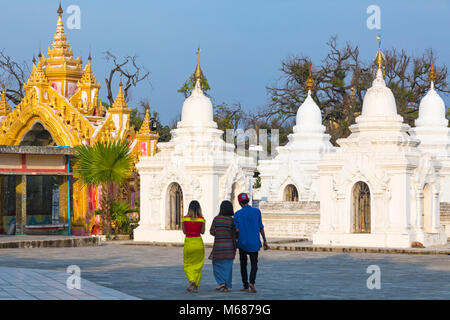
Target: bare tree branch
14, 75
127, 68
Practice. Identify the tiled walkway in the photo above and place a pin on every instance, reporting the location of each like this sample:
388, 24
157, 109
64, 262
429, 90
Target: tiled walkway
34, 284
150, 272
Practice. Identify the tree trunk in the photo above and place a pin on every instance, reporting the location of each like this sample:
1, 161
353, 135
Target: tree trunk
106, 210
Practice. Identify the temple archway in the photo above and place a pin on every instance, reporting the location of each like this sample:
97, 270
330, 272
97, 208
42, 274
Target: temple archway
290, 193
174, 206
17, 127
38, 135
361, 208
426, 208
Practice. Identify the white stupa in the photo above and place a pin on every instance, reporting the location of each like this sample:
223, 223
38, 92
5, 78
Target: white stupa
196, 164
378, 189
431, 128
293, 174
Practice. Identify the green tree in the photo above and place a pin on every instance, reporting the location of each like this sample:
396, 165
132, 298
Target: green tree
189, 85
105, 164
119, 213
228, 116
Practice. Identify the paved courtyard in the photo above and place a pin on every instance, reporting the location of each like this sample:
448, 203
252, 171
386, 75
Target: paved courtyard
119, 271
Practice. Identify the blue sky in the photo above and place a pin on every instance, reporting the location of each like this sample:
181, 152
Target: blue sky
243, 42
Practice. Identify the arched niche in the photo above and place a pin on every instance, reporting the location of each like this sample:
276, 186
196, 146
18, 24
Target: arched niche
174, 206
361, 208
290, 193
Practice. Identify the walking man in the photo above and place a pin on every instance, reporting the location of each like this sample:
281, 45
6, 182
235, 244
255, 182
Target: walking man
248, 223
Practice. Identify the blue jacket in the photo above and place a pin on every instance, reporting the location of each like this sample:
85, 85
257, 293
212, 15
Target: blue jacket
249, 222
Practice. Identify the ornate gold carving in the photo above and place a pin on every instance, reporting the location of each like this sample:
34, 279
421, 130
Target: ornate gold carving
5, 108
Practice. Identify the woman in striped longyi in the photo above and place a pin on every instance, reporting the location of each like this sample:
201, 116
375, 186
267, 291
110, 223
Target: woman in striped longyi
224, 248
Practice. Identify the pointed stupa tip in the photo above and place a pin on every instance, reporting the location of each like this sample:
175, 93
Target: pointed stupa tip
60, 10
198, 71
379, 59
432, 75
34, 59
310, 81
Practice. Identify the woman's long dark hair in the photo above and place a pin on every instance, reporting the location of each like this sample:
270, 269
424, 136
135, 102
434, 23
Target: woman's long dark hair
226, 209
194, 210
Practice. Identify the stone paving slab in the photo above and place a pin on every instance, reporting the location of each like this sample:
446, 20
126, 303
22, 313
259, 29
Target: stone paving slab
153, 272
308, 246
36, 284
35, 241
305, 245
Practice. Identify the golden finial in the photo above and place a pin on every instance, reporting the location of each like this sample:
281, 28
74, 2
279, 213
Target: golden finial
60, 10
432, 76
145, 127
89, 58
3, 92
310, 81
198, 70
379, 58
34, 59
120, 102
4, 106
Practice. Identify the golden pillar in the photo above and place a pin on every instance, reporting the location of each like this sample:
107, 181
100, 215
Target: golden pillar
63, 199
2, 203
21, 204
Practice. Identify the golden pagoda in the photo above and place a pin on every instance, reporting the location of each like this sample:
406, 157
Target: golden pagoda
62, 97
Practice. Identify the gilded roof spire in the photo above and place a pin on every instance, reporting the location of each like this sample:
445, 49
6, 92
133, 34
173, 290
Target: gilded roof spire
60, 38
4, 106
310, 81
88, 77
145, 127
120, 102
198, 71
379, 58
60, 10
432, 76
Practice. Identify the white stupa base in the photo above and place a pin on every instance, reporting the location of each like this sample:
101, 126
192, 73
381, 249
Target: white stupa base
379, 240
148, 233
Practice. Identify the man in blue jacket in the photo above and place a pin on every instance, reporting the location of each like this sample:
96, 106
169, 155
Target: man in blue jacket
248, 222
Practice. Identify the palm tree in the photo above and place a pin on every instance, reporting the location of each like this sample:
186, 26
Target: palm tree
106, 164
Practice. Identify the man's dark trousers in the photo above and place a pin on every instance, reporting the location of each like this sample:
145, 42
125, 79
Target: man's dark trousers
254, 266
